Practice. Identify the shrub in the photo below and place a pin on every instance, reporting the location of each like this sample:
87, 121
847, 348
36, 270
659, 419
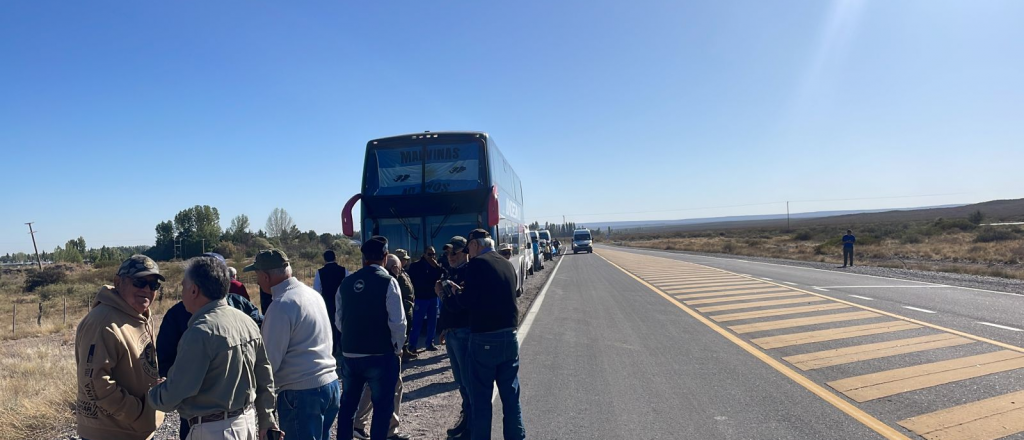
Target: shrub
803, 236
47, 276
910, 238
976, 217
728, 247
989, 234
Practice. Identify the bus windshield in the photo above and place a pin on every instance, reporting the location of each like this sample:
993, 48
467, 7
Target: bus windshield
430, 168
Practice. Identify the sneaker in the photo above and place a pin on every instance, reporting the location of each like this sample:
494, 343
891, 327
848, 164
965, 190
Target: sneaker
407, 355
431, 347
360, 433
398, 436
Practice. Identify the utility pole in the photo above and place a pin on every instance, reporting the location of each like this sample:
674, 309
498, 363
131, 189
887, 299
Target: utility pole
204, 245
33, 234
787, 215
177, 248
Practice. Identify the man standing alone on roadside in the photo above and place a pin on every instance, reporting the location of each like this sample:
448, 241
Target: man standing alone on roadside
116, 357
297, 337
225, 388
848, 241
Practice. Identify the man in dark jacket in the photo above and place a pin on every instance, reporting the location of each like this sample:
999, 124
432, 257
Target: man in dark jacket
490, 295
327, 281
454, 324
424, 273
848, 241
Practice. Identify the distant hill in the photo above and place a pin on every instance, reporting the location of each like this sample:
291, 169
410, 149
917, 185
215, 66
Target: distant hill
996, 210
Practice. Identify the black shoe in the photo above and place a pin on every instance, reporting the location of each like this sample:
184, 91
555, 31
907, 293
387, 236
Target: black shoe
431, 347
398, 436
360, 433
463, 435
459, 427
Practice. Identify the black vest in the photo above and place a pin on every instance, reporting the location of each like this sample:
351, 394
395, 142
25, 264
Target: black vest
364, 312
330, 278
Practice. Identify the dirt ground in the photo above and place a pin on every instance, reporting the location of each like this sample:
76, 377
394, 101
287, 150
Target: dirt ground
431, 402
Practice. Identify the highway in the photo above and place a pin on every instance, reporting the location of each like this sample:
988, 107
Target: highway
655, 345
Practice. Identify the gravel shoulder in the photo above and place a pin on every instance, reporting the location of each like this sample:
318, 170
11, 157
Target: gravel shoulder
952, 279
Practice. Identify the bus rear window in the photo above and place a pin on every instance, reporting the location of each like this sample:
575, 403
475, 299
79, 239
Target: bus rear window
427, 168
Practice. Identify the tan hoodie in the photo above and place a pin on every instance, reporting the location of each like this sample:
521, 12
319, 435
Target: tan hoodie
116, 360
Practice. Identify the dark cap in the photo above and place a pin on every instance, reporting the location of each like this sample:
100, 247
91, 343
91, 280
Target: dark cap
267, 260
217, 256
375, 247
138, 266
479, 233
403, 254
457, 243
447, 246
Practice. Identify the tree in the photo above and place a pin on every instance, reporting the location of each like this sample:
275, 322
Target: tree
279, 223
976, 217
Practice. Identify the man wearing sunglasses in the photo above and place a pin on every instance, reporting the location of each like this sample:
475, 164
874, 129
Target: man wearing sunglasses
116, 358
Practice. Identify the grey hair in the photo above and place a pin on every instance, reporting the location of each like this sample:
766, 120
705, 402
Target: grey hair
280, 272
485, 243
210, 275
232, 272
393, 262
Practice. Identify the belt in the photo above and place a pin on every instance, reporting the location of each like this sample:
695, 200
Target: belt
216, 417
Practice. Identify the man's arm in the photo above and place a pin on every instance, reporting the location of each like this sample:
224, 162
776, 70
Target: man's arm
316, 283
95, 381
185, 378
266, 400
276, 328
337, 310
396, 316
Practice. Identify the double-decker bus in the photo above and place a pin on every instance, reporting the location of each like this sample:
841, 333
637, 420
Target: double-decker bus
422, 189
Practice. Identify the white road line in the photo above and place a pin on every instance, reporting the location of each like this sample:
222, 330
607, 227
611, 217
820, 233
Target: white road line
819, 288
885, 287
1000, 326
862, 297
524, 328
812, 268
787, 282
919, 310
767, 279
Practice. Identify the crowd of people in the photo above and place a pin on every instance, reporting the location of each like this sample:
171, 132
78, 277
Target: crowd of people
311, 356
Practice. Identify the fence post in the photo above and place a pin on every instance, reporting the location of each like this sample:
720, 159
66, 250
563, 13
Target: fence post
39, 319
65, 311
14, 320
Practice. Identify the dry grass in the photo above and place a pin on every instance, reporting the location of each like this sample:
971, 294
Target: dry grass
37, 386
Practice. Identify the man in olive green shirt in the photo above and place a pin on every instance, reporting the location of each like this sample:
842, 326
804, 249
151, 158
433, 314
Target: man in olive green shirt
223, 383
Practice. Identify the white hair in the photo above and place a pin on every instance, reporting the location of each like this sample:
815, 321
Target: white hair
485, 243
281, 271
232, 272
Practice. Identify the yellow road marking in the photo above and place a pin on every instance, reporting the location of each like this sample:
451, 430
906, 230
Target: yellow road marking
992, 418
723, 289
777, 302
833, 334
829, 397
741, 298
800, 322
828, 358
891, 382
694, 279
684, 274
732, 292
706, 284
777, 312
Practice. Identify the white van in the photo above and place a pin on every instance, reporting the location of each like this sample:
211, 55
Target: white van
582, 241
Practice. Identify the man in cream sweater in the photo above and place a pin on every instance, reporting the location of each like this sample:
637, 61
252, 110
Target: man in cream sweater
297, 336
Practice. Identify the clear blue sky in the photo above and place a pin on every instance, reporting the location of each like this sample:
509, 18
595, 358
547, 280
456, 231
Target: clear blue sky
116, 115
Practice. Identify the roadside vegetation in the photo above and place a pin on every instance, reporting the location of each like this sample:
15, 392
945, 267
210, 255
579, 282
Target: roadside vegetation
958, 245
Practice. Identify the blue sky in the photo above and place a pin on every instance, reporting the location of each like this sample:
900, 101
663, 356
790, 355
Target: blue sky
116, 115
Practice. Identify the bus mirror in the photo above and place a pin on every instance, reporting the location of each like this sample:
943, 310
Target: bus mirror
493, 214
347, 227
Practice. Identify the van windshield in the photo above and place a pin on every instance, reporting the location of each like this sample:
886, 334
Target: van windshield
580, 237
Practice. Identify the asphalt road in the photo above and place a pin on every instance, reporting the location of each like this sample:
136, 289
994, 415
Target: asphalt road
655, 345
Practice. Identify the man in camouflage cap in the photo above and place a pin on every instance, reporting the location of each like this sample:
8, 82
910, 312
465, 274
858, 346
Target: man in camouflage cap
116, 358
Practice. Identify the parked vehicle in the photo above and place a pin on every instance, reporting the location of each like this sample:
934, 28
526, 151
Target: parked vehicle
538, 262
582, 241
546, 248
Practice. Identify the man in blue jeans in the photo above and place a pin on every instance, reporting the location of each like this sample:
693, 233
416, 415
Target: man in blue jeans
489, 293
371, 319
848, 241
297, 336
454, 324
424, 274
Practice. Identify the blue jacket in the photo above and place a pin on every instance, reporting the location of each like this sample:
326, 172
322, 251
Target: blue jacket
848, 241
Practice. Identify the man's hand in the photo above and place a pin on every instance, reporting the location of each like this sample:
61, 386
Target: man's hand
437, 287
263, 433
160, 381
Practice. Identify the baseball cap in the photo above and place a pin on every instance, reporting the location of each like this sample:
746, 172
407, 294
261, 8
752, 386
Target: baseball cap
457, 243
478, 233
504, 247
375, 246
267, 260
138, 266
403, 254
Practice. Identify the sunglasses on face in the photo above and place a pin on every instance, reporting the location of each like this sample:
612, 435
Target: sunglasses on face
141, 283
431, 254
